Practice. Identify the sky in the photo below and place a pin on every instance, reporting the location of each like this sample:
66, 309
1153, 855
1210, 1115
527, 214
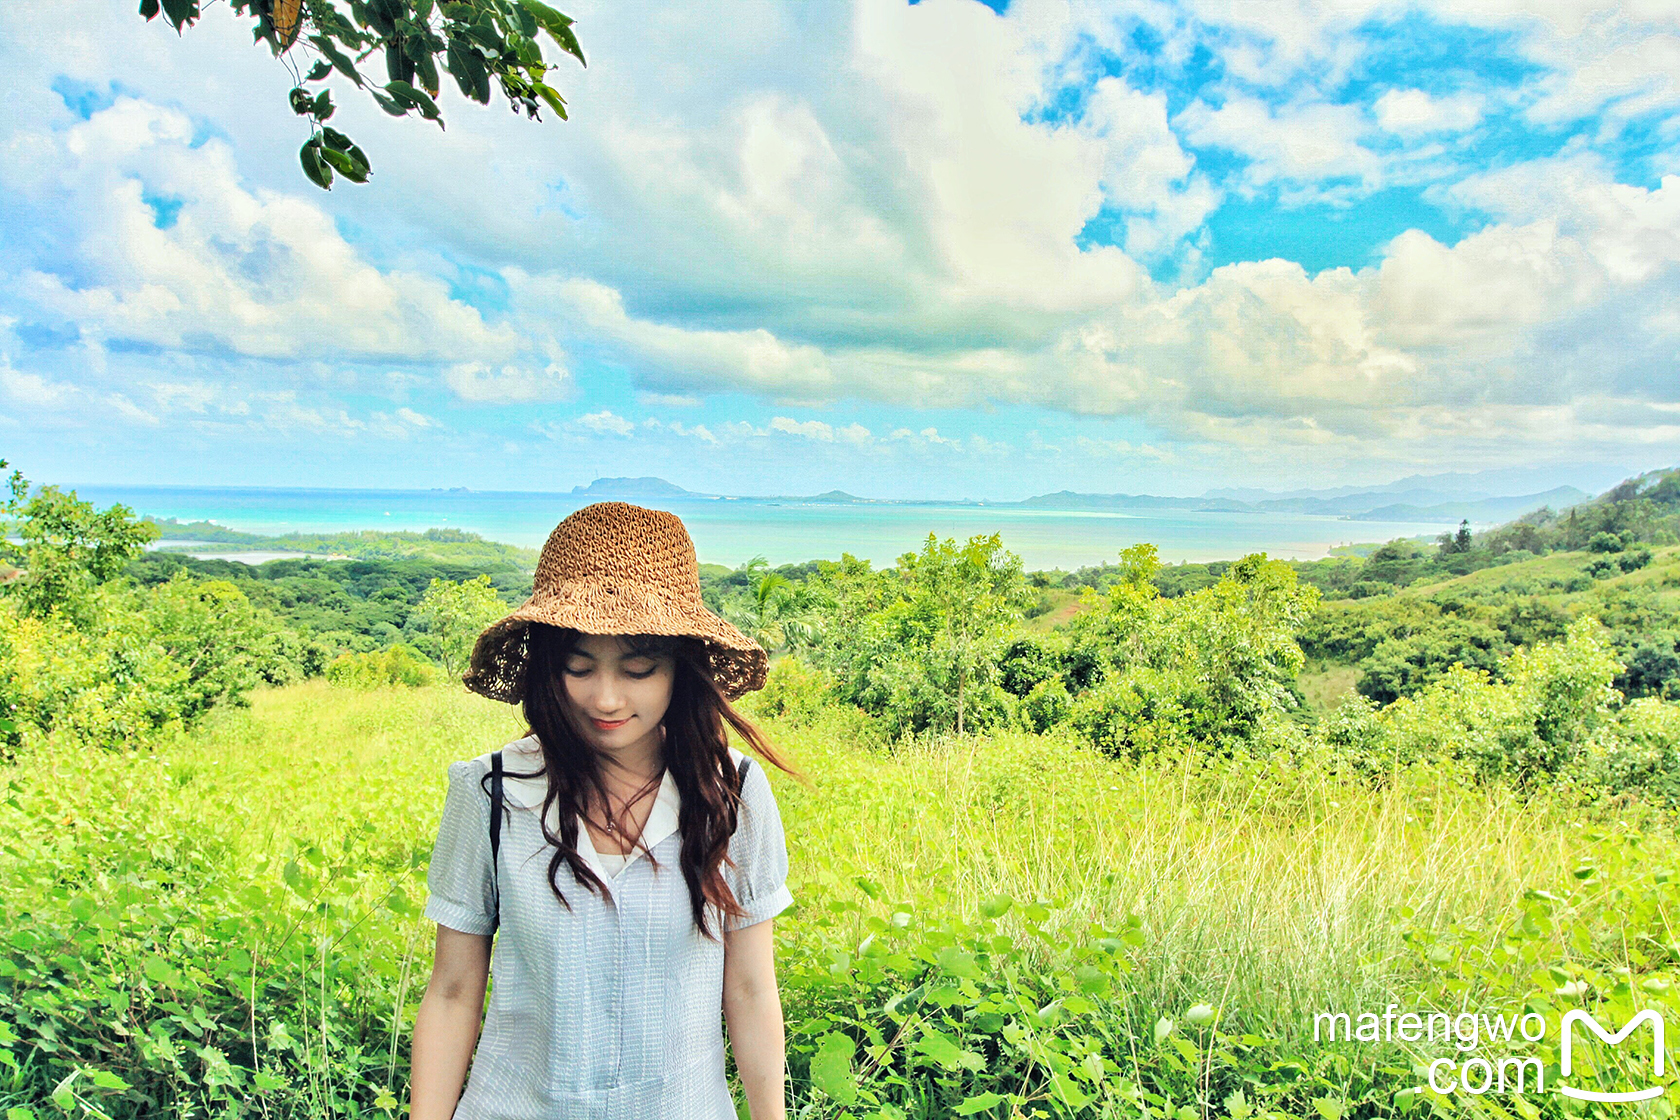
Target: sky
945, 249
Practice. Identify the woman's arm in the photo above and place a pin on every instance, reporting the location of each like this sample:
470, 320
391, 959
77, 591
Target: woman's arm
446, 1026
752, 1007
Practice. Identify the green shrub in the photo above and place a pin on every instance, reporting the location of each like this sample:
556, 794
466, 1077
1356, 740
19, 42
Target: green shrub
1605, 542
156, 659
795, 691
1639, 753
396, 666
1634, 560
1215, 667
1045, 706
1526, 728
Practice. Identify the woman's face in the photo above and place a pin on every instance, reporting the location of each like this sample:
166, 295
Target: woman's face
619, 696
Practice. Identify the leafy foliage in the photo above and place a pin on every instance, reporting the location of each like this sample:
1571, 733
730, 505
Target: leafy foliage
66, 547
454, 613
396, 666
415, 41
919, 644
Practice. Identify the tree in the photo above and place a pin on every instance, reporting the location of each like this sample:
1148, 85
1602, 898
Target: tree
66, 547
776, 611
455, 613
967, 595
1455, 542
472, 40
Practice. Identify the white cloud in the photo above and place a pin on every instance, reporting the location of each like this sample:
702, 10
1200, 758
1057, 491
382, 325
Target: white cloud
251, 272
481, 383
853, 433
1412, 112
33, 389
1304, 143
416, 419
606, 422
873, 201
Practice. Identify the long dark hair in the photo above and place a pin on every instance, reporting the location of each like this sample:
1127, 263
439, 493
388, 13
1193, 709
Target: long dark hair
697, 725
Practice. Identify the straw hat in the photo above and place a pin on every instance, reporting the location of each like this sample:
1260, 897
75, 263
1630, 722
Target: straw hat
615, 568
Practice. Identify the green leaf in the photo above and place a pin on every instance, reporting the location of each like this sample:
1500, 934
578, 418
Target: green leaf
19, 1112
996, 906
831, 1067
425, 66
485, 36
558, 26
105, 1079
980, 1103
149, 9
958, 963
1327, 1108
467, 69
180, 13
61, 1094
1070, 1094
404, 92
390, 104
942, 1049
1163, 1027
555, 101
344, 165
321, 175
342, 64
318, 71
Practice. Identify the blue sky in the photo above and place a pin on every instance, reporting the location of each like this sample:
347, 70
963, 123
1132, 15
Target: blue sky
945, 249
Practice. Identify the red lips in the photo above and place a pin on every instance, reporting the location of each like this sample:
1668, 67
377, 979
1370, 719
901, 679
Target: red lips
609, 724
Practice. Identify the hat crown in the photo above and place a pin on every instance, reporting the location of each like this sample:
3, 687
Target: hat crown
618, 543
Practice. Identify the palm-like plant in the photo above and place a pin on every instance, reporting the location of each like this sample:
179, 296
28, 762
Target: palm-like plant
776, 612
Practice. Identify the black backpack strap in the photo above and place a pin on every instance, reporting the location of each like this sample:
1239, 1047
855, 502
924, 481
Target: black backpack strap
496, 830
741, 775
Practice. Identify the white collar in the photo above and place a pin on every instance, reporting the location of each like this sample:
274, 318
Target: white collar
526, 755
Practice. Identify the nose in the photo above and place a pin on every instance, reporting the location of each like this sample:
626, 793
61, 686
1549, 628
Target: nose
610, 696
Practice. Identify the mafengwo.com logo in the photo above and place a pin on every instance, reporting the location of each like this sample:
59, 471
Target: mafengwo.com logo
1476, 1073
1566, 1062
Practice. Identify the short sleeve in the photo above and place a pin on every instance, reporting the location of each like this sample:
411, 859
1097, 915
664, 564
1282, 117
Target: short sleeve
759, 852
461, 876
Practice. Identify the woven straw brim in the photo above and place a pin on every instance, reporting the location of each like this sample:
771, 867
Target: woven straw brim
738, 664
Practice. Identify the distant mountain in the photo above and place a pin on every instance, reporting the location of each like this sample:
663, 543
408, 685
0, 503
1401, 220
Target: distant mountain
1429, 489
1068, 499
628, 488
1488, 509
1389, 503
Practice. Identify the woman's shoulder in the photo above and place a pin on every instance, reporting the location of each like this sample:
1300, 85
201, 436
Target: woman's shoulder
519, 755
755, 783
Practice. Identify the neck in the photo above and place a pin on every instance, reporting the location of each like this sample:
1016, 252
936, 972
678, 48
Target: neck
638, 761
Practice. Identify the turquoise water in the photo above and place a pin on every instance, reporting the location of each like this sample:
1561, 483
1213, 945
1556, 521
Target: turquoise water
733, 530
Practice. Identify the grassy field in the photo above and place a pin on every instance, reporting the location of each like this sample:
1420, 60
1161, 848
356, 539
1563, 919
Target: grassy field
230, 926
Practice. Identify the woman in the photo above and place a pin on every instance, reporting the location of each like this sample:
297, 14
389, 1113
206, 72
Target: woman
637, 864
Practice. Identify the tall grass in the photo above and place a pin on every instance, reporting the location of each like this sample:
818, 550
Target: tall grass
231, 925
1271, 890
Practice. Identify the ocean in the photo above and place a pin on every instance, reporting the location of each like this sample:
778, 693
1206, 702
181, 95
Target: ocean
731, 531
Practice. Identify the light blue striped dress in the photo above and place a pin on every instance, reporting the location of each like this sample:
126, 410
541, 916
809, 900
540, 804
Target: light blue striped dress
602, 1012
